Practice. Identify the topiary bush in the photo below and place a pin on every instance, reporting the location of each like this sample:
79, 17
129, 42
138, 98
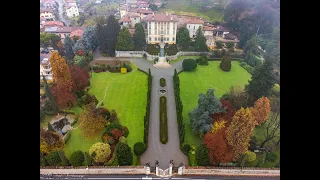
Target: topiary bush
225, 63
163, 120
77, 158
202, 156
186, 149
162, 82
53, 158
124, 154
189, 64
139, 148
125, 131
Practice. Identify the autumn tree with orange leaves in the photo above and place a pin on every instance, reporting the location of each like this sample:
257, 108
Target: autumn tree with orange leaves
218, 147
240, 131
261, 110
62, 89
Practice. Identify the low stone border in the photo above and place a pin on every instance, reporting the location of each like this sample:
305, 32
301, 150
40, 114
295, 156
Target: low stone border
230, 172
115, 170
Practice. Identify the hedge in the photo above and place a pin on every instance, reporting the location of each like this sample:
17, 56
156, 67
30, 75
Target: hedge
163, 120
139, 148
147, 116
162, 82
189, 64
77, 158
247, 67
67, 137
169, 49
142, 71
179, 106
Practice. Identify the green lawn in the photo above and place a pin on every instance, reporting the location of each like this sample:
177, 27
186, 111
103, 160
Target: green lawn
127, 95
183, 57
198, 81
78, 142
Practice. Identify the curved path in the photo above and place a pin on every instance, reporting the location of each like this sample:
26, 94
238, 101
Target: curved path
156, 150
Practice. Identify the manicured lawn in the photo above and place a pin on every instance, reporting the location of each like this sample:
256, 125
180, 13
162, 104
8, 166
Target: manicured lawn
78, 142
127, 95
183, 57
198, 81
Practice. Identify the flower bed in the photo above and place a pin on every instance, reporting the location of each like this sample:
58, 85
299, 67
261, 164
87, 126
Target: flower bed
163, 120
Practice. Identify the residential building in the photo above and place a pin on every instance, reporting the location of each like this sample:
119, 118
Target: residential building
72, 11
130, 19
158, 2
143, 5
47, 14
52, 24
208, 30
193, 25
45, 67
64, 31
161, 27
142, 12
132, 3
123, 11
223, 35
125, 21
70, 2
50, 4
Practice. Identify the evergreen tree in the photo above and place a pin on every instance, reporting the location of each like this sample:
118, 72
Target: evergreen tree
183, 38
112, 29
124, 40
102, 34
90, 37
252, 45
200, 41
51, 98
68, 47
50, 128
139, 37
261, 82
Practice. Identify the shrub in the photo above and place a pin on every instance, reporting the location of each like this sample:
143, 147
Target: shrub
162, 82
139, 148
80, 61
225, 64
217, 53
272, 157
67, 137
105, 137
202, 156
64, 160
189, 64
53, 158
116, 133
77, 158
186, 149
124, 154
203, 60
125, 131
113, 116
122, 139
110, 161
163, 120
111, 127
230, 45
247, 67
128, 67
219, 44
42, 115
87, 159
100, 152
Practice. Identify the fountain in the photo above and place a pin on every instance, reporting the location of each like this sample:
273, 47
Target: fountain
162, 62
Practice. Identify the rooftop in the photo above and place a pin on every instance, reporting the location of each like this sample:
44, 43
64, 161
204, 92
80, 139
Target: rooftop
220, 28
195, 21
77, 32
125, 19
161, 18
208, 28
52, 23
45, 10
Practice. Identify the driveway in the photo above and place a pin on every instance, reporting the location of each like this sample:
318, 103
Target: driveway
60, 9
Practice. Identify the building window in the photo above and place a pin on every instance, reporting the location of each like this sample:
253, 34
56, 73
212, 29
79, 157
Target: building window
149, 38
173, 39
189, 26
194, 27
167, 38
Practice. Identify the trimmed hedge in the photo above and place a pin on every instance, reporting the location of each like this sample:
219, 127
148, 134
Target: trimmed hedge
189, 64
139, 148
179, 106
162, 82
169, 49
147, 116
247, 67
142, 71
163, 120
225, 64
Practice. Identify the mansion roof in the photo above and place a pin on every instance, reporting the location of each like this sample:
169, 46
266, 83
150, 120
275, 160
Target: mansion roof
161, 18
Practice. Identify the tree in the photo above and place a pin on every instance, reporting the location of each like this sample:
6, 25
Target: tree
112, 30
90, 122
189, 64
186, 149
219, 44
240, 131
53, 158
218, 124
81, 44
80, 78
100, 152
271, 128
261, 110
252, 59
247, 157
48, 39
77, 158
272, 157
124, 40
116, 133
50, 141
51, 99
153, 7
139, 148
218, 149
139, 37
252, 45
207, 104
124, 154
200, 41
225, 63
202, 156
80, 61
261, 82
224, 116
102, 34
90, 38
237, 96
122, 139
183, 38
230, 45
68, 47
64, 97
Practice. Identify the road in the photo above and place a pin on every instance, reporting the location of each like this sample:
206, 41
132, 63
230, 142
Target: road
144, 177
60, 9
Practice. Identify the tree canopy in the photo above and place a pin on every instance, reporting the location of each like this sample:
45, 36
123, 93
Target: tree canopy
139, 37
100, 152
112, 30
200, 41
124, 40
183, 38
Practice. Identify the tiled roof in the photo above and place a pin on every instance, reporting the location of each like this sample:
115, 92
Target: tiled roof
144, 11
125, 19
220, 28
52, 23
132, 14
195, 21
208, 28
77, 32
230, 36
161, 18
